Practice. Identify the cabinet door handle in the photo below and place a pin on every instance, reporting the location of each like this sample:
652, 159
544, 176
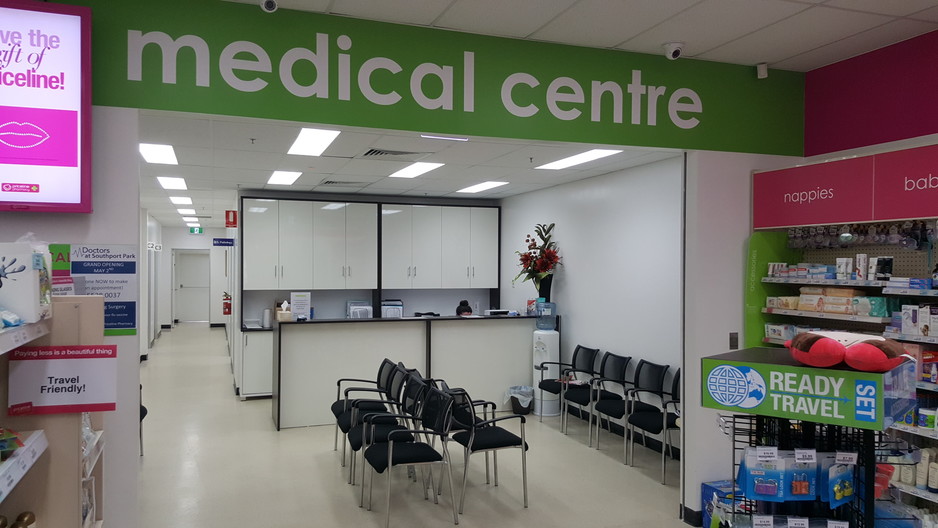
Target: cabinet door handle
275, 270
415, 271
343, 271
467, 271
349, 271
245, 339
408, 271
473, 271
281, 271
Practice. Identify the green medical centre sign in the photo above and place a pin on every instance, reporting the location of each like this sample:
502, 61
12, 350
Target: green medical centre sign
767, 382
215, 57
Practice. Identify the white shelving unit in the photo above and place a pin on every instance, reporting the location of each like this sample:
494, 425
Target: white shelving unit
924, 385
774, 340
823, 315
22, 460
827, 282
92, 453
912, 490
909, 337
910, 291
918, 431
17, 336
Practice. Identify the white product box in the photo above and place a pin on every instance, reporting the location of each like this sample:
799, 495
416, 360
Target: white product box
910, 315
811, 303
25, 281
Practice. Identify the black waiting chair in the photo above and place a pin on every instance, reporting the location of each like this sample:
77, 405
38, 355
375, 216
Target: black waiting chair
647, 376
658, 420
434, 418
343, 408
483, 436
611, 371
143, 414
582, 361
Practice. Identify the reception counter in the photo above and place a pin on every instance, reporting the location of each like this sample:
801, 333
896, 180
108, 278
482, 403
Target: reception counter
484, 355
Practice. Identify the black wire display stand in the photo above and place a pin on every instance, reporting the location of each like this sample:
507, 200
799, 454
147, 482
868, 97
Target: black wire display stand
747, 430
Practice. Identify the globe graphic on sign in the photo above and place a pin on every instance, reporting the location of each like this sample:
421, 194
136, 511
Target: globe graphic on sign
736, 386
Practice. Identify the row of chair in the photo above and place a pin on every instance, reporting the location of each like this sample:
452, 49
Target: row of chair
408, 420
636, 396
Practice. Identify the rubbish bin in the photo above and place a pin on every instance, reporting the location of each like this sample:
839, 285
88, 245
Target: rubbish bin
521, 398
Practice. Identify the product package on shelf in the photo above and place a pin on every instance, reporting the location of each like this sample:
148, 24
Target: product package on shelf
25, 281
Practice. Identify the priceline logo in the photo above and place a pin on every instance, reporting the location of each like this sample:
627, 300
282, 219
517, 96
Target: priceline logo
805, 197
921, 184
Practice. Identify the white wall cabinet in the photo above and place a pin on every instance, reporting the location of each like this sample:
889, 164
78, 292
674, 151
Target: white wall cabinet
261, 244
345, 245
295, 245
470, 247
257, 363
411, 246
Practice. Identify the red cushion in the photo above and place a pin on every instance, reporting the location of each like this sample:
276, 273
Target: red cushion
875, 356
816, 351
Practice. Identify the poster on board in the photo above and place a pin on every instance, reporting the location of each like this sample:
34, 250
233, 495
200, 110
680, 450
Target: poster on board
62, 379
106, 270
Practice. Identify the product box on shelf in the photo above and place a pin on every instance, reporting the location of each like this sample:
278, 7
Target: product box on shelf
767, 381
779, 331
25, 281
811, 303
716, 499
910, 321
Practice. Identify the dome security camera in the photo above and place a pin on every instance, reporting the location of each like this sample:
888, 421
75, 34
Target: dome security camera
673, 50
269, 6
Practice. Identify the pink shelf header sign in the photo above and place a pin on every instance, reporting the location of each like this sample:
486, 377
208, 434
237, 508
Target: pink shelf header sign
62, 379
906, 184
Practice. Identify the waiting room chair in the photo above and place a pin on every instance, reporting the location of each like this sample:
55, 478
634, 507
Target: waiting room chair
343, 407
483, 436
143, 414
434, 418
648, 376
582, 361
659, 420
611, 370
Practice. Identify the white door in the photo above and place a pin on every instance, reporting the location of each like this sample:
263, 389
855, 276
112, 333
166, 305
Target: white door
456, 267
261, 244
191, 270
361, 246
396, 240
257, 367
426, 249
153, 324
483, 247
329, 245
296, 244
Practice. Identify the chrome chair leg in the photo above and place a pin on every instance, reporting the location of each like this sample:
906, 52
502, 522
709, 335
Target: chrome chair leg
465, 478
494, 466
452, 490
524, 466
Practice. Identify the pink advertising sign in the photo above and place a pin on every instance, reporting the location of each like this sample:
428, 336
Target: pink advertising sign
45, 107
906, 184
62, 379
826, 193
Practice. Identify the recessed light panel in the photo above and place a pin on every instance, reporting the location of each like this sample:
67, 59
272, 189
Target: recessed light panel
584, 157
313, 141
186, 211
482, 187
190, 219
162, 154
283, 178
194, 224
257, 209
416, 169
333, 206
445, 138
181, 200
172, 184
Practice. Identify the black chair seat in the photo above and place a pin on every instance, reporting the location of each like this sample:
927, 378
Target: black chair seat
488, 438
614, 408
583, 397
651, 421
404, 453
363, 405
345, 420
551, 386
356, 438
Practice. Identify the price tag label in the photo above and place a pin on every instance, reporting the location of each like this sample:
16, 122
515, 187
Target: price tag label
767, 453
844, 457
762, 521
797, 522
806, 456
838, 524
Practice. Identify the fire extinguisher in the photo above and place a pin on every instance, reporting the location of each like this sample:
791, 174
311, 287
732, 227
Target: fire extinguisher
226, 304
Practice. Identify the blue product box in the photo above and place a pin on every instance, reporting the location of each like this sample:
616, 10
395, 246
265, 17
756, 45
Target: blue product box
717, 497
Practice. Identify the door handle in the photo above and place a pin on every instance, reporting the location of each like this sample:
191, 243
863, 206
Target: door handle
408, 271
467, 271
281, 271
275, 270
415, 271
349, 271
473, 271
343, 271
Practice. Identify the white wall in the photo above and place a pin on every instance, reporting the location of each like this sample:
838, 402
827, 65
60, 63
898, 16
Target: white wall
718, 224
179, 238
619, 235
115, 220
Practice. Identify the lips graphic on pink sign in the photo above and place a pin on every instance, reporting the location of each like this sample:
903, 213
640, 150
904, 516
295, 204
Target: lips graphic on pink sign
38, 136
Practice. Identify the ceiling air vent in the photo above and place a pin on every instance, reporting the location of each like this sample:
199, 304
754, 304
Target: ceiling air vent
393, 155
343, 183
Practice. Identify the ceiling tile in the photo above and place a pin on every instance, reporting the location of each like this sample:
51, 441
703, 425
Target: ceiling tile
253, 136
511, 18
604, 24
694, 26
928, 14
351, 144
867, 41
890, 7
419, 12
174, 130
367, 167
803, 32
476, 152
248, 160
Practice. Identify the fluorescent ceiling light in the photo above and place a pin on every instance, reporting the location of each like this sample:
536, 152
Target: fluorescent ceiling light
181, 200
312, 141
390, 211
415, 169
163, 154
482, 187
194, 224
283, 178
185, 212
333, 206
257, 209
172, 184
587, 156
190, 219
445, 138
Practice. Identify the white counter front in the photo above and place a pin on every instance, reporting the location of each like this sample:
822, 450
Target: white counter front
482, 355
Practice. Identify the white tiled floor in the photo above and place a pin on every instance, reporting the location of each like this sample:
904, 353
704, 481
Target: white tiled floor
213, 461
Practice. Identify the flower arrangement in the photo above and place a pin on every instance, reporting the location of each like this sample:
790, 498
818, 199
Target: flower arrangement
540, 258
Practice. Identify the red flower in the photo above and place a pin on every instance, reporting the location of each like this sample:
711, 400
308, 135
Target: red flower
540, 257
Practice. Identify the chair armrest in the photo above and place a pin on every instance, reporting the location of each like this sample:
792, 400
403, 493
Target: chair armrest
573, 370
357, 380
494, 420
415, 432
361, 389
555, 363
675, 403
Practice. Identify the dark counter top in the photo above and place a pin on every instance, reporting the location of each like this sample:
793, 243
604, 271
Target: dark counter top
409, 319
